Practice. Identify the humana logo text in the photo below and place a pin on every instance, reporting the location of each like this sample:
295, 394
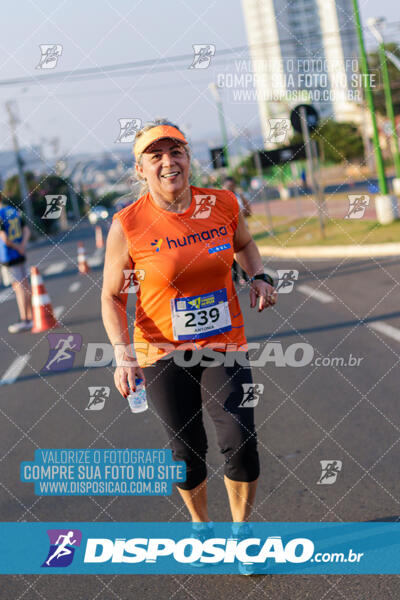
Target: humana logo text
187, 550
193, 238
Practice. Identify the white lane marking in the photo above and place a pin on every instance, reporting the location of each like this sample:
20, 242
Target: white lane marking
74, 287
386, 329
14, 369
55, 268
95, 260
7, 294
58, 311
316, 294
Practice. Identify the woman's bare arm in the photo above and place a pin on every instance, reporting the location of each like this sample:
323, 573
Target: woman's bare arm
113, 306
248, 257
246, 251
113, 303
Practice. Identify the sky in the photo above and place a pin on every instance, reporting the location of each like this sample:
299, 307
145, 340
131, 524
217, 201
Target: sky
85, 115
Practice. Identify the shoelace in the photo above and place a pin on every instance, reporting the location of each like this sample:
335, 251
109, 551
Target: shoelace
203, 534
243, 532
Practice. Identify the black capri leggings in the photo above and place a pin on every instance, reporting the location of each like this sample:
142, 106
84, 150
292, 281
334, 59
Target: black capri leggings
178, 391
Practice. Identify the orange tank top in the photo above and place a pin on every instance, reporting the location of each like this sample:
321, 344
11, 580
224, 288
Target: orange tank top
186, 296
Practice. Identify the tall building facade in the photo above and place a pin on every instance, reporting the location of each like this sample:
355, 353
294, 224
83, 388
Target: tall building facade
304, 51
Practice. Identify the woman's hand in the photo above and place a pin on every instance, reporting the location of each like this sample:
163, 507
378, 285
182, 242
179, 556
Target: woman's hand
266, 294
127, 369
124, 376
248, 257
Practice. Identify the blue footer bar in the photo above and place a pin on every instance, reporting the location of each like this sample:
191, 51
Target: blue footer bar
173, 548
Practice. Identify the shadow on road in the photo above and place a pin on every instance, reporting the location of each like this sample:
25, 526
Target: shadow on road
41, 375
349, 268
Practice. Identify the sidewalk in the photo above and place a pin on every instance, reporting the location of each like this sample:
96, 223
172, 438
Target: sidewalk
295, 217
350, 251
303, 207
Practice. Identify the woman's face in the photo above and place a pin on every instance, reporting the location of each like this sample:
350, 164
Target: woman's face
165, 165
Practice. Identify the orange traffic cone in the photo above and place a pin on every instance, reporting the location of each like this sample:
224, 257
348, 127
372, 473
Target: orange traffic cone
43, 316
82, 262
99, 237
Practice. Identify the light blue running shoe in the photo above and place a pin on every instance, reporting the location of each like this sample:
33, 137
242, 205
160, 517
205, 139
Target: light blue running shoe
243, 531
202, 532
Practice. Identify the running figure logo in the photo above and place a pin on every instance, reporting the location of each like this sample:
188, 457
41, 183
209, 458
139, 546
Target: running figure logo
251, 394
50, 55
132, 277
98, 396
204, 204
202, 55
286, 280
62, 547
357, 205
195, 302
330, 470
128, 129
55, 204
278, 130
62, 351
157, 244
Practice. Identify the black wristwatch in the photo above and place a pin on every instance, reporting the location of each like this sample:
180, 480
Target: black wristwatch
264, 277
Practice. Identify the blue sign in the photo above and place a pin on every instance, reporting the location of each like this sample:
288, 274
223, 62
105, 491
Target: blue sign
166, 548
110, 472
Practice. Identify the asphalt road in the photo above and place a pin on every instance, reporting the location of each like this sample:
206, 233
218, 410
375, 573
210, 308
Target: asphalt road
307, 414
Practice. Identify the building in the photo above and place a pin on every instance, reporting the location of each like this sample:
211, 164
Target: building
303, 51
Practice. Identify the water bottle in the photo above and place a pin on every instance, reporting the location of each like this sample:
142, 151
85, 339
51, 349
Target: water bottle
137, 400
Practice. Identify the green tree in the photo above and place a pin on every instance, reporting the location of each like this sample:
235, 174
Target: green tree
38, 186
394, 76
12, 193
108, 199
338, 142
12, 190
245, 169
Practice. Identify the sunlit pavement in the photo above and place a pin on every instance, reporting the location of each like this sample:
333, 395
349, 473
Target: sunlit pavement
327, 409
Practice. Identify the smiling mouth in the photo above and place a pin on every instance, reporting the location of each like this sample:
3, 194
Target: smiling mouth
170, 175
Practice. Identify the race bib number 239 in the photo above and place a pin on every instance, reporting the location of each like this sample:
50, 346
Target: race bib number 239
197, 317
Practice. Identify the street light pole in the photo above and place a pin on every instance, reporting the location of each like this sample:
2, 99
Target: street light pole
25, 196
375, 26
310, 160
217, 97
264, 195
385, 205
368, 93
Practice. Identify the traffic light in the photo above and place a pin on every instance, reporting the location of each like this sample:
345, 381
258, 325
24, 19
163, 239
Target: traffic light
218, 158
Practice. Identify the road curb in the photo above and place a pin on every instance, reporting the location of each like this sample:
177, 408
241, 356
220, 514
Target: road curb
356, 251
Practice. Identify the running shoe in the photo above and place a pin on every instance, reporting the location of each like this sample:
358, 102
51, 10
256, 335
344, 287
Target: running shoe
202, 532
240, 532
20, 326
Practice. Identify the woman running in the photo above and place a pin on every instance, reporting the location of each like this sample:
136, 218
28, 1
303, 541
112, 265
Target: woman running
189, 335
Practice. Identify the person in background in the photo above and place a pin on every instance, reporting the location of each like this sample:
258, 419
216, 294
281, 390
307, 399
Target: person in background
303, 177
245, 209
14, 235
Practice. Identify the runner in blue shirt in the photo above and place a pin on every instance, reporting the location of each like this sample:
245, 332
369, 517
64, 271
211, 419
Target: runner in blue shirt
14, 235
